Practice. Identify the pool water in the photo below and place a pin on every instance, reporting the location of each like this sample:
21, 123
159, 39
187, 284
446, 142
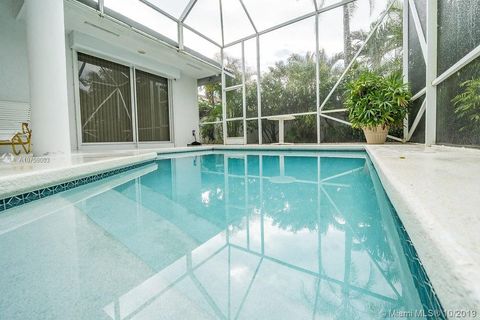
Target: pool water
232, 235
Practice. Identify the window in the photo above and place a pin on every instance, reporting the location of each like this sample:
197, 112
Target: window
105, 100
106, 111
152, 107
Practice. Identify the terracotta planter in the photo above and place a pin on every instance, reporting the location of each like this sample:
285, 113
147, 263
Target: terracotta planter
376, 135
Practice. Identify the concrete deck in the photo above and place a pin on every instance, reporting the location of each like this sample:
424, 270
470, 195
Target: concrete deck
436, 192
28, 175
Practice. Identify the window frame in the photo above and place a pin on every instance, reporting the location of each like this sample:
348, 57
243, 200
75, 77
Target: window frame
133, 90
170, 104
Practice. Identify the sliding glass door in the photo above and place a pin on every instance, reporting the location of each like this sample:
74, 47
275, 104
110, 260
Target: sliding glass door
105, 100
106, 111
152, 107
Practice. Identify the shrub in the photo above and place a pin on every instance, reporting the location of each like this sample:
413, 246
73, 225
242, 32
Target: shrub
374, 100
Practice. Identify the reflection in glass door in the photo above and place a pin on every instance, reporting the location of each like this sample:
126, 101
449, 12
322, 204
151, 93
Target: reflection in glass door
105, 100
152, 107
107, 97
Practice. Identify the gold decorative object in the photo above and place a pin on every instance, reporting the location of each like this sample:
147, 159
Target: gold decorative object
22, 139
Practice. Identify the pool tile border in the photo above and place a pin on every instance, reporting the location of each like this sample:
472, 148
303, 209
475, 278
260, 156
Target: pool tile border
17, 200
432, 307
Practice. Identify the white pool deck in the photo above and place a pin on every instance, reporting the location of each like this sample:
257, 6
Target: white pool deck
436, 192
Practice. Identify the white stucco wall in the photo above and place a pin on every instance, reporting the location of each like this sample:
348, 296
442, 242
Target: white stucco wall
13, 56
48, 76
14, 76
185, 110
14, 82
184, 101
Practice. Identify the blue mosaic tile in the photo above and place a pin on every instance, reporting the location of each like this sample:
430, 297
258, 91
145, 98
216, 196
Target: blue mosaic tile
30, 196
59, 188
70, 184
17, 200
46, 192
13, 201
429, 299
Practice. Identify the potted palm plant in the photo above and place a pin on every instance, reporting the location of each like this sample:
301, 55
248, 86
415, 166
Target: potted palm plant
377, 103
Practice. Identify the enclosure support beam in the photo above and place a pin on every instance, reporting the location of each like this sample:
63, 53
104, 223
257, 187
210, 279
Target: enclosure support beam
224, 100
244, 96
289, 22
419, 94
259, 97
405, 60
201, 35
431, 73
127, 24
180, 36
417, 120
317, 75
221, 22
156, 8
347, 68
418, 27
472, 55
187, 10
100, 6
248, 16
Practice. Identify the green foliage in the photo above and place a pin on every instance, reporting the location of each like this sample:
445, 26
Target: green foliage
288, 86
467, 104
375, 100
209, 102
303, 129
383, 52
211, 133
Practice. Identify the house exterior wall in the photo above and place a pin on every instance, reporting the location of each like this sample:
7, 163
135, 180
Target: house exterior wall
14, 75
48, 76
13, 56
184, 108
15, 78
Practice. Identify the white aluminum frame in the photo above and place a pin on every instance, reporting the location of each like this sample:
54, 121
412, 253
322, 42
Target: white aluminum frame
428, 46
429, 105
410, 7
315, 13
405, 60
317, 75
319, 106
472, 55
418, 27
431, 62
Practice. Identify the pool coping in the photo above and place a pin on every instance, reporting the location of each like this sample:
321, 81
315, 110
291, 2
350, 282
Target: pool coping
451, 278
28, 182
451, 269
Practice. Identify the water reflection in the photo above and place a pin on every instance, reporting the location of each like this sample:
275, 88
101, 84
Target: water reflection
237, 236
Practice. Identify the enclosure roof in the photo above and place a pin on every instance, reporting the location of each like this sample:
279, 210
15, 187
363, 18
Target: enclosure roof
214, 23
226, 21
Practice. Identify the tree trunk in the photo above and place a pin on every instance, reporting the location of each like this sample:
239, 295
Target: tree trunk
347, 40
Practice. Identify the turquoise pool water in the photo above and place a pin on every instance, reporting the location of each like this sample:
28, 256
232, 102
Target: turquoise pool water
232, 235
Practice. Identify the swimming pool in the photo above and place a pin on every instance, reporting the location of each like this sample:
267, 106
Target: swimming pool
216, 235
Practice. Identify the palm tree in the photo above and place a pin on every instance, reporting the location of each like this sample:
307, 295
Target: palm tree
384, 51
348, 11
347, 40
